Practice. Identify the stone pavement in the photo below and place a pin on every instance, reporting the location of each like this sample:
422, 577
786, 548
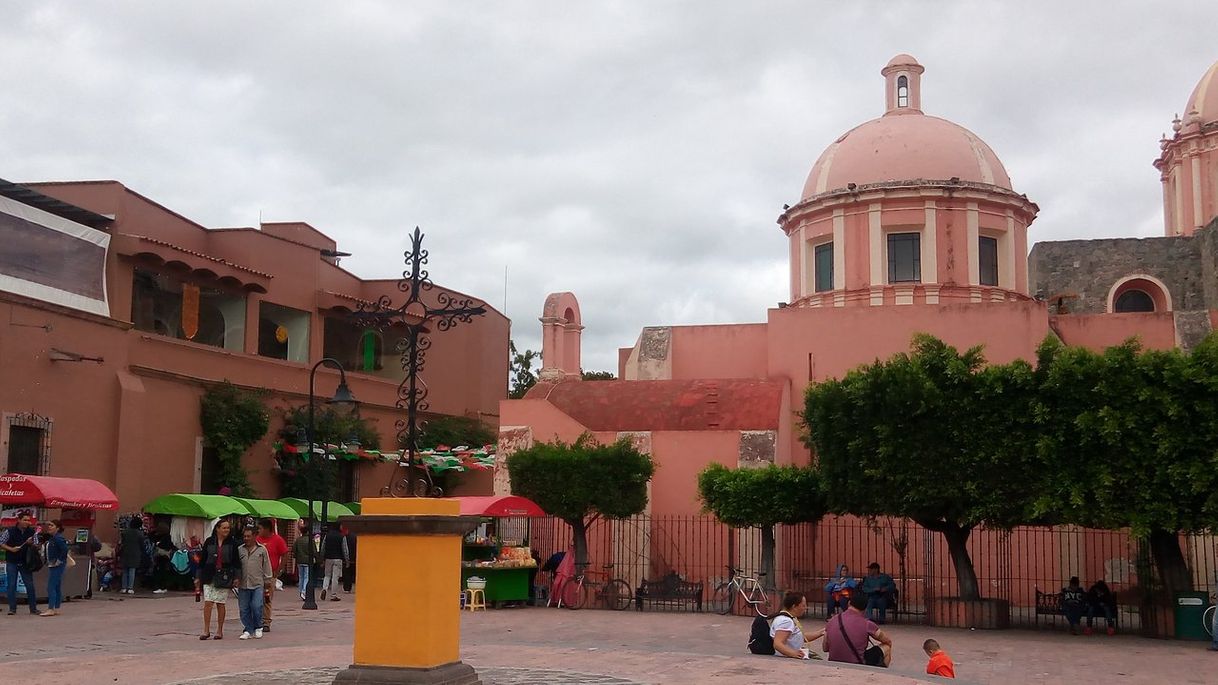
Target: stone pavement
152, 641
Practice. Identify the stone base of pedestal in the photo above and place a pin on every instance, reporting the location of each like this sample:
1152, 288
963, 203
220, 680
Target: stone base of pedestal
455, 673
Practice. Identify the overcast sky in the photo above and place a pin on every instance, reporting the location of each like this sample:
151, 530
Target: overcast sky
634, 153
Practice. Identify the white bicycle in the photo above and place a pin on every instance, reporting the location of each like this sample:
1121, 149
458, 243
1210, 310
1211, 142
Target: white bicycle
1207, 620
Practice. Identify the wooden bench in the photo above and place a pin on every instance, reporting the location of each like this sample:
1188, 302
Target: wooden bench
670, 589
1050, 604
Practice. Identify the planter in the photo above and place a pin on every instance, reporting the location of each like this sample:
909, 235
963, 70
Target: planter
983, 614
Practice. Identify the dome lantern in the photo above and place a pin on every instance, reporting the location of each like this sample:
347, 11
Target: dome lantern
902, 85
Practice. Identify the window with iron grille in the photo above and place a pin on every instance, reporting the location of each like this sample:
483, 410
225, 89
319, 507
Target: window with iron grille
29, 444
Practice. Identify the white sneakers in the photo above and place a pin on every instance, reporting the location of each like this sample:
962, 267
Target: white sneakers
244, 636
159, 592
258, 634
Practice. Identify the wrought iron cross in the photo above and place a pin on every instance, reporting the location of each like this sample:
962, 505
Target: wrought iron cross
415, 315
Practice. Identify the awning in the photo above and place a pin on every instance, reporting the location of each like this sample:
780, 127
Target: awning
56, 493
268, 508
198, 506
502, 505
301, 507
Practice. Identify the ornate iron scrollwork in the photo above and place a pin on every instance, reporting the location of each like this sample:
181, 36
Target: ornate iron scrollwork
410, 478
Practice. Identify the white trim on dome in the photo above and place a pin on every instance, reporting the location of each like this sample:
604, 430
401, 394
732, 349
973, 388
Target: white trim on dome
1203, 86
983, 164
822, 179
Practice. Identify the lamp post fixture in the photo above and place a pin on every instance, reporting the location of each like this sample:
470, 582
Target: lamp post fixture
415, 316
342, 397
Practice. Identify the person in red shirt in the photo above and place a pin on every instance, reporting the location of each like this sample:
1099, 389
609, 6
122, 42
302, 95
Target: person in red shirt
276, 548
940, 663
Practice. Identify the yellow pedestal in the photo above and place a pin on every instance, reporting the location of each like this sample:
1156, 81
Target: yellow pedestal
407, 625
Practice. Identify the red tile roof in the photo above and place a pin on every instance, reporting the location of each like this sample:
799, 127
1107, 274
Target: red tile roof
680, 405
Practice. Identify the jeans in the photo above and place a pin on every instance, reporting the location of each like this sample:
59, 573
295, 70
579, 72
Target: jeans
832, 606
129, 578
1073, 613
1093, 609
877, 607
250, 603
31, 594
55, 586
302, 571
1214, 629
330, 584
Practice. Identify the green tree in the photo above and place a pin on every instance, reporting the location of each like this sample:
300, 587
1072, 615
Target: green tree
762, 498
522, 373
598, 376
1130, 436
233, 420
303, 478
934, 435
582, 482
454, 431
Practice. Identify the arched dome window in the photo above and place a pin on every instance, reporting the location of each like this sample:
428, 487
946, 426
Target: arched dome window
1133, 301
1139, 293
902, 91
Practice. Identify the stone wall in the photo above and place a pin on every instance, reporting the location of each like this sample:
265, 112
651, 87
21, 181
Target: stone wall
1087, 269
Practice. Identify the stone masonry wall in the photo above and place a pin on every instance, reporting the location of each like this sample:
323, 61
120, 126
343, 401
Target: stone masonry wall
1089, 269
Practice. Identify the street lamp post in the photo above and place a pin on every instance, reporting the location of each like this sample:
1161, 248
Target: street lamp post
342, 396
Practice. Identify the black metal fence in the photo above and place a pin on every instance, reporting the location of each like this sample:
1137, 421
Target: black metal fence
1010, 565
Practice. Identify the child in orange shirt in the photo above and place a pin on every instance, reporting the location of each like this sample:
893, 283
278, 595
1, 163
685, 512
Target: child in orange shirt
940, 663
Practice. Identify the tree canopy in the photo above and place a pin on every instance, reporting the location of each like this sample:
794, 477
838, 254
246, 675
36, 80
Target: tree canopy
934, 435
761, 498
582, 481
233, 420
521, 370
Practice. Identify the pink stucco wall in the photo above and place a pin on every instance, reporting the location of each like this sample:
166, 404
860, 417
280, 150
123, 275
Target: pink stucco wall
1155, 330
723, 351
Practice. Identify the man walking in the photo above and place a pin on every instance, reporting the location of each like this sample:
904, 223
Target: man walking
349, 575
302, 551
255, 576
14, 542
337, 556
276, 548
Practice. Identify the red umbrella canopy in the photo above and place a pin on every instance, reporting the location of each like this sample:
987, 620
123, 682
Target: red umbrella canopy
56, 493
502, 505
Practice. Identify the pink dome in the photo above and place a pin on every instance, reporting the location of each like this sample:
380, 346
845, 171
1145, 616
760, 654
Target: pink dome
902, 60
1204, 98
905, 148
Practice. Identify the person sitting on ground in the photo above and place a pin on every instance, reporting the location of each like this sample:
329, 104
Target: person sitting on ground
1074, 604
877, 588
838, 591
788, 633
848, 637
1100, 600
940, 663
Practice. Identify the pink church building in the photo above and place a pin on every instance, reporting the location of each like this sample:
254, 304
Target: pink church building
906, 223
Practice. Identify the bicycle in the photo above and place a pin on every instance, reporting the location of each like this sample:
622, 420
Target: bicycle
1207, 619
746, 588
613, 593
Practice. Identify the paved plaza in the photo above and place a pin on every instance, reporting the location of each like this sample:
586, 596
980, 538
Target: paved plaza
147, 640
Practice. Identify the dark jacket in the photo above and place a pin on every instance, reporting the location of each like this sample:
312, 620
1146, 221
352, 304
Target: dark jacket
335, 546
131, 547
302, 550
230, 558
17, 536
57, 550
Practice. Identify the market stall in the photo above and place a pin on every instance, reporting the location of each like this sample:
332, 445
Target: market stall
77, 499
497, 550
268, 509
188, 519
301, 507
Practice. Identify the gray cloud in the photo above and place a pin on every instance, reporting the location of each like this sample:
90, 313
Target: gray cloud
634, 153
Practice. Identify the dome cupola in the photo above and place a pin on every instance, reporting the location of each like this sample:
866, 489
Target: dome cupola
1188, 164
905, 209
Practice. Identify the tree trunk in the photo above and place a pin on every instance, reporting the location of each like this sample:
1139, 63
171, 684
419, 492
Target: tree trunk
1173, 570
957, 547
767, 557
579, 531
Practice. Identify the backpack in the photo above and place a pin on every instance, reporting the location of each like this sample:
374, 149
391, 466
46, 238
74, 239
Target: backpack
180, 561
33, 558
760, 640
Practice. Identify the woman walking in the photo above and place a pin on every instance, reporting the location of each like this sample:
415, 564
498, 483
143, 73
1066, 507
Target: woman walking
57, 563
219, 573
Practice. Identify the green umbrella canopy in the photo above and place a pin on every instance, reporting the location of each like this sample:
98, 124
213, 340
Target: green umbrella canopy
198, 506
301, 507
268, 508
354, 507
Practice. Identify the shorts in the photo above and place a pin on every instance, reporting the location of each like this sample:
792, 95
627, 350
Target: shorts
874, 656
215, 595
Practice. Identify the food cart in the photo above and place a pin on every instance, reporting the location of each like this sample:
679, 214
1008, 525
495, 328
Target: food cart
77, 499
497, 550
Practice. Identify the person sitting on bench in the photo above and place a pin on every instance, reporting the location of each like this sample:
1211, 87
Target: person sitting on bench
1100, 600
848, 637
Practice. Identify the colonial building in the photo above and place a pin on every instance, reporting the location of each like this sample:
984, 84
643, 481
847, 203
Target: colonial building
117, 312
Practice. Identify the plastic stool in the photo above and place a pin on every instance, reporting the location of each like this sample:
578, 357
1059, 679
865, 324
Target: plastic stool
475, 600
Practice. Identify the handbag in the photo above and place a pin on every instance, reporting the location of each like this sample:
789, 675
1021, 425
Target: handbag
33, 558
225, 578
70, 562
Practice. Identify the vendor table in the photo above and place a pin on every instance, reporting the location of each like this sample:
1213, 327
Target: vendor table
502, 584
